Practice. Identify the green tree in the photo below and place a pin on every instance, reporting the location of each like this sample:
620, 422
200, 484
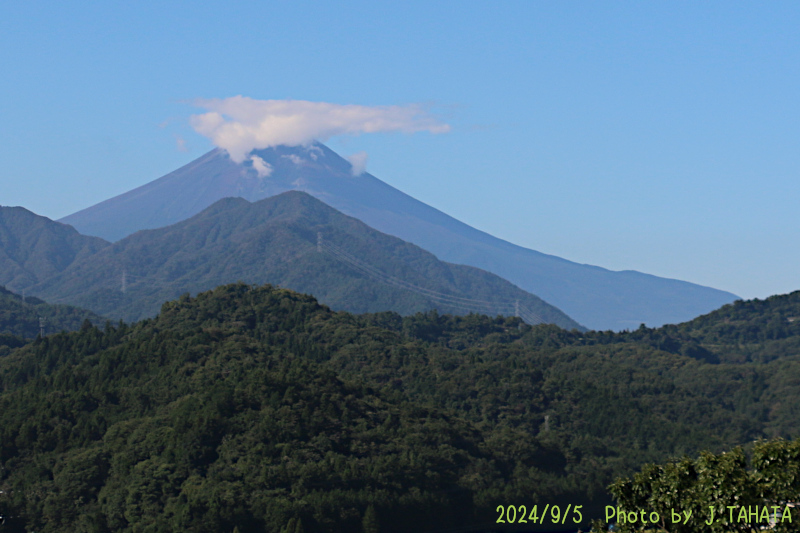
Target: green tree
713, 493
370, 521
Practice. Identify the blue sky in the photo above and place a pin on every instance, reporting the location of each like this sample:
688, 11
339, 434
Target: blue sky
653, 136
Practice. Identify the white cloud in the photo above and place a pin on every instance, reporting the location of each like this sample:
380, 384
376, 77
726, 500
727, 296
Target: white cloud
263, 168
240, 124
359, 163
314, 151
296, 159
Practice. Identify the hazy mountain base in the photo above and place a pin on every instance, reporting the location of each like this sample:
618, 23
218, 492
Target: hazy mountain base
252, 408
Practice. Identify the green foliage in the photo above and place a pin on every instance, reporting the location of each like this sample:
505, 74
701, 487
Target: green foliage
223, 413
370, 522
20, 318
713, 493
34, 248
262, 410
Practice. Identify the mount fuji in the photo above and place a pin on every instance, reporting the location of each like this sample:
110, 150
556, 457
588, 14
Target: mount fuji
594, 296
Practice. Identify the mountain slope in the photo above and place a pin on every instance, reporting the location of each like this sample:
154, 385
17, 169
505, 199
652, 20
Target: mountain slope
34, 248
292, 240
22, 318
594, 296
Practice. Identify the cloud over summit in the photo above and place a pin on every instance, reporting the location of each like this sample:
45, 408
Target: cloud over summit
240, 124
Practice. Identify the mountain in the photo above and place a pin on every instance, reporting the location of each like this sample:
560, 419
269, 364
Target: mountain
34, 248
594, 296
292, 240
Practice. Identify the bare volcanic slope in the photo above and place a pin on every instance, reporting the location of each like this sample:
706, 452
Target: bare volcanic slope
596, 297
295, 241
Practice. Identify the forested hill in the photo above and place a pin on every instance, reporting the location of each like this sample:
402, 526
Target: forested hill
292, 240
21, 318
34, 248
259, 409
225, 411
744, 331
749, 321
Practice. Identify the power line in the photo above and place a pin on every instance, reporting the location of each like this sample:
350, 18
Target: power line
353, 260
371, 271
521, 311
469, 304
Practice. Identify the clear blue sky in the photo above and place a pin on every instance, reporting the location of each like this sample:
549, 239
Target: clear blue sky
655, 136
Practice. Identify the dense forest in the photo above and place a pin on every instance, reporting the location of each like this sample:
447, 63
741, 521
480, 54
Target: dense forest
24, 317
258, 409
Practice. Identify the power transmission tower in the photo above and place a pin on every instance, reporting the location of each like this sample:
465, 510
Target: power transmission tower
124, 281
319, 242
42, 322
516, 308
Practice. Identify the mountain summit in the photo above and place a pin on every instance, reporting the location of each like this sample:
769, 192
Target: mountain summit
594, 296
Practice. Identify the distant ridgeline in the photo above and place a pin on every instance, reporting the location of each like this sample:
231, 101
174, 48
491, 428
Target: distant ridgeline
259, 409
291, 240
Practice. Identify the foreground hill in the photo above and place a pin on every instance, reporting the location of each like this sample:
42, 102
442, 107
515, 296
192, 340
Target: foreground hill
292, 240
597, 298
223, 413
259, 409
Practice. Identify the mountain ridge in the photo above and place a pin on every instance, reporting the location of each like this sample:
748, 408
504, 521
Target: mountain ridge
33, 247
293, 240
594, 296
